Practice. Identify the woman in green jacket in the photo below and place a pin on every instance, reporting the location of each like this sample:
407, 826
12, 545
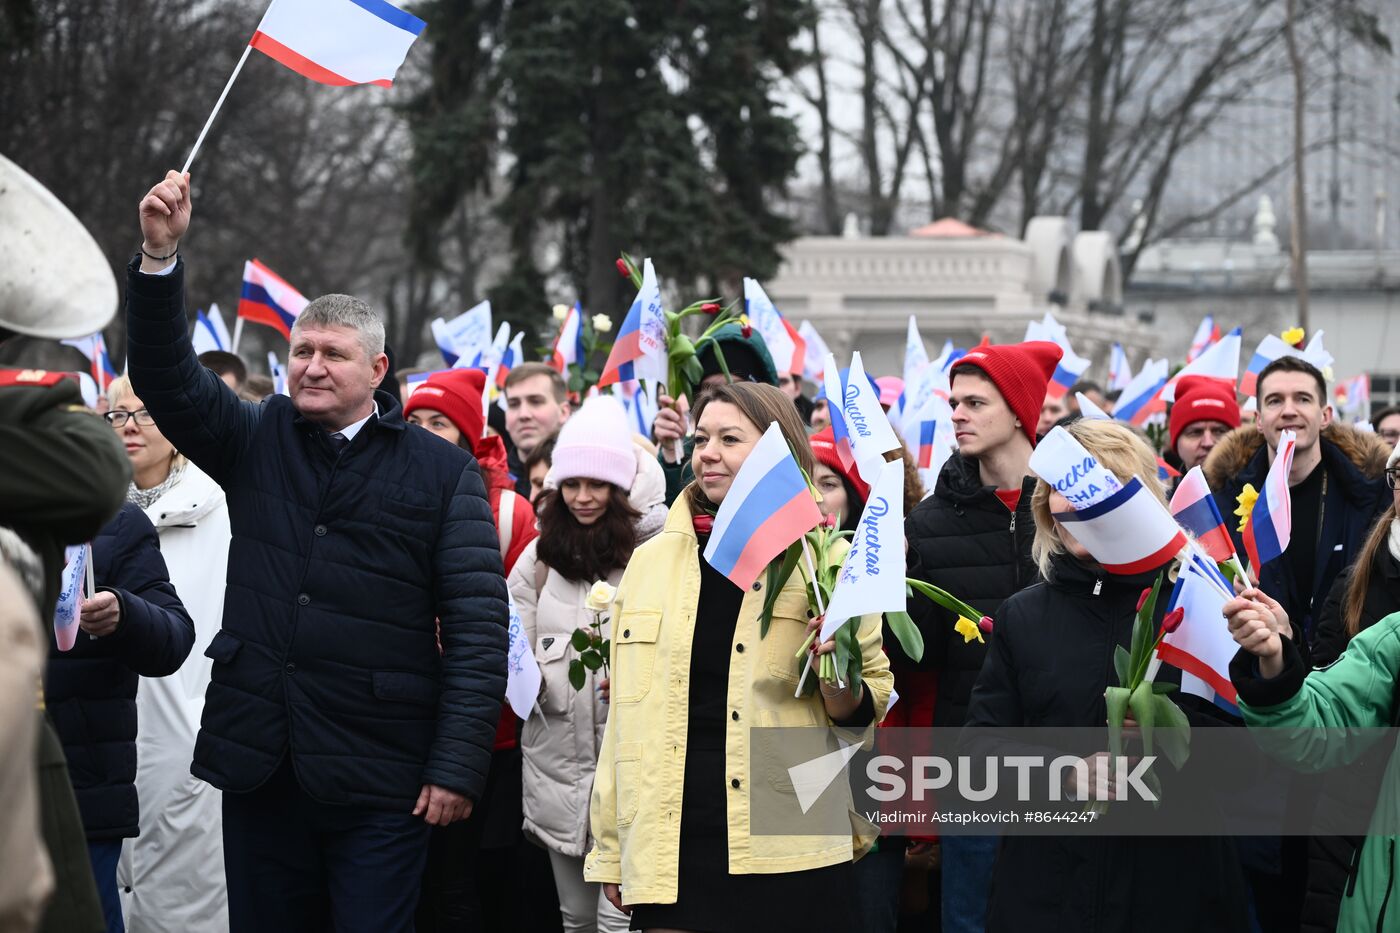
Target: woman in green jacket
1357, 692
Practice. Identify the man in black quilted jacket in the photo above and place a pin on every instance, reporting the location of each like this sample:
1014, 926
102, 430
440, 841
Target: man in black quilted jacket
972, 537
358, 674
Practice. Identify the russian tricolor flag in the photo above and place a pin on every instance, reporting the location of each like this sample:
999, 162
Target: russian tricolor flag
1120, 373
1194, 509
1270, 525
568, 345
1201, 647
1143, 396
1221, 360
1067, 373
639, 352
338, 42
511, 358
1206, 334
94, 347
1270, 348
268, 299
834, 383
768, 506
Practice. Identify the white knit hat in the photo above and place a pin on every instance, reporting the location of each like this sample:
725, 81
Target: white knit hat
595, 443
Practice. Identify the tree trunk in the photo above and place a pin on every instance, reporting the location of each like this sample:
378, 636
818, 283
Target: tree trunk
1298, 241
831, 210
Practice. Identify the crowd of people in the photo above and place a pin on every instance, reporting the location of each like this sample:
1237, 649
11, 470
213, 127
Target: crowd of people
284, 709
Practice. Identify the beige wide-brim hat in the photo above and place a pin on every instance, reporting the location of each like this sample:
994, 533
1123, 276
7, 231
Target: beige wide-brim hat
54, 280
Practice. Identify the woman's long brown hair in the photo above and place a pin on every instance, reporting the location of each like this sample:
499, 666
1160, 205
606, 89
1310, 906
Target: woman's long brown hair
586, 553
1355, 599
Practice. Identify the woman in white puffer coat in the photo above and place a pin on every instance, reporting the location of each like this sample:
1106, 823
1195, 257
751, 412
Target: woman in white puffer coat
603, 497
171, 876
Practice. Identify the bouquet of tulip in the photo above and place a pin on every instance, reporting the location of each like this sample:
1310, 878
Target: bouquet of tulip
683, 369
593, 649
1136, 690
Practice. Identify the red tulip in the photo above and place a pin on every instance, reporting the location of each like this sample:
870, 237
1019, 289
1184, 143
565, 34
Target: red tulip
1142, 599
710, 308
1172, 621
985, 623
747, 331
622, 269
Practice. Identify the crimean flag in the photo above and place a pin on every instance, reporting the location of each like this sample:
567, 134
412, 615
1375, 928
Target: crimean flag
768, 506
268, 299
1270, 525
639, 352
338, 41
1194, 509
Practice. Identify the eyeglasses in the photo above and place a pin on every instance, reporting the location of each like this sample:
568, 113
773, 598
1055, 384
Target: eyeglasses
1392, 477
118, 418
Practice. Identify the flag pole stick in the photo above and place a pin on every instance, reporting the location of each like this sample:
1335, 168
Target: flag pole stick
217, 106
237, 335
821, 607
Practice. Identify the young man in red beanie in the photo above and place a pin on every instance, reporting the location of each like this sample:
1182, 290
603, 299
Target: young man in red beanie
1203, 413
973, 538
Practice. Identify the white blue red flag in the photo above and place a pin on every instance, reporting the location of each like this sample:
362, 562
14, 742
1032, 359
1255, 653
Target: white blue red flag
338, 42
1143, 397
869, 430
1354, 397
814, 358
568, 345
768, 506
639, 352
1270, 525
785, 342
70, 595
268, 299
417, 379
834, 388
1270, 348
94, 347
513, 357
872, 575
1221, 360
1123, 525
466, 339
278, 374
1207, 333
1194, 508
1120, 373
1201, 646
209, 331
1071, 366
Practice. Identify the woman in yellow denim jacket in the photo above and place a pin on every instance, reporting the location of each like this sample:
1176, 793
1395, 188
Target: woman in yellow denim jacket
690, 677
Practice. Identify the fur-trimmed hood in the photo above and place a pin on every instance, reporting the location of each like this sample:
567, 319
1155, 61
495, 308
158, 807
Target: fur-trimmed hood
1364, 450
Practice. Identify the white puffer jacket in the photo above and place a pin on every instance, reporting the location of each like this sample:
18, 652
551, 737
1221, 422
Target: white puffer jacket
559, 749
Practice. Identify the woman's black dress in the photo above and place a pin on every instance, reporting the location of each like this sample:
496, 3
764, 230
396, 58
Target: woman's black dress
708, 898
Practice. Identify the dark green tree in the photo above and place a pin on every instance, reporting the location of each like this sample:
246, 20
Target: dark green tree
648, 127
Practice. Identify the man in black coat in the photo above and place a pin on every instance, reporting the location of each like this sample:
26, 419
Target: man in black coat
133, 626
358, 677
972, 537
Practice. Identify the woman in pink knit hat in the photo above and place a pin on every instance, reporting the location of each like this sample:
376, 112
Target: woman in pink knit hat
603, 497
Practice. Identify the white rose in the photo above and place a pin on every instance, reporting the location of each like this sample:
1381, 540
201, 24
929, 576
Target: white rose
561, 312
602, 323
600, 597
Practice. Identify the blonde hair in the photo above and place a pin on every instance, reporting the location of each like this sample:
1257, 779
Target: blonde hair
118, 389
1121, 451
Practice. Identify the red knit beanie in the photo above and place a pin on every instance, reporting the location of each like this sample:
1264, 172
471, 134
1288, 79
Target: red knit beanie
457, 394
1021, 372
824, 449
1201, 398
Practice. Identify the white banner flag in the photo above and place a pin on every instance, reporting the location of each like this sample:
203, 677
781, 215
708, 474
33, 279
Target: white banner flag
870, 431
1063, 462
522, 671
872, 577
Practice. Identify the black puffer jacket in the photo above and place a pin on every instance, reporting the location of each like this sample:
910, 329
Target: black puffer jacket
91, 689
964, 540
1049, 664
1330, 857
343, 573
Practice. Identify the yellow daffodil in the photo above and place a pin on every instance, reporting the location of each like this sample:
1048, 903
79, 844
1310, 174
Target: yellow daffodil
968, 630
1293, 336
1245, 505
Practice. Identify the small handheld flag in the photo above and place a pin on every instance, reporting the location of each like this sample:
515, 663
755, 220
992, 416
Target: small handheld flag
1120, 373
1270, 348
785, 343
94, 347
268, 299
568, 345
1270, 525
815, 352
70, 595
872, 575
768, 506
1143, 397
1201, 645
639, 352
1123, 525
1221, 360
1194, 508
513, 357
1207, 333
522, 670
466, 338
866, 425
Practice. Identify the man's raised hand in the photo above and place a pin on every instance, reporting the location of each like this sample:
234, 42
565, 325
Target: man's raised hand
165, 216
